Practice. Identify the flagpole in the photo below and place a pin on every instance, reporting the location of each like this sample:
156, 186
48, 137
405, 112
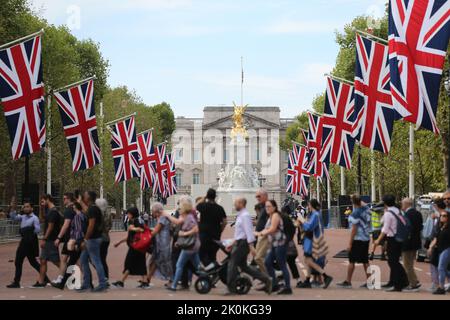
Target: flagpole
318, 189
76, 84
368, 35
120, 119
49, 149
141, 200
372, 169
101, 160
339, 79
242, 81
124, 195
329, 193
411, 162
343, 191
9, 44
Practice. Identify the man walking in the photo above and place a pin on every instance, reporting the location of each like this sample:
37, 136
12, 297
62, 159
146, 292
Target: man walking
262, 246
91, 246
64, 236
52, 226
28, 246
213, 221
398, 279
413, 244
358, 249
242, 246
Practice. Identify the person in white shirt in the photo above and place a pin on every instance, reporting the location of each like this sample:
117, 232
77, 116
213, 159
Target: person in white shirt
241, 247
398, 279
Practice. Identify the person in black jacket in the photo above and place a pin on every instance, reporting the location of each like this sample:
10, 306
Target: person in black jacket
413, 244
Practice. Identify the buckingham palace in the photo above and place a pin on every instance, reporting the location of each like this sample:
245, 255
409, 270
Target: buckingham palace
208, 154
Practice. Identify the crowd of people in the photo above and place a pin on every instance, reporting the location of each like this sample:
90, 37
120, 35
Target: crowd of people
187, 241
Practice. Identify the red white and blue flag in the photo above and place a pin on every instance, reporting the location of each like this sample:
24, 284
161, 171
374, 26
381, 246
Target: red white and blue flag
315, 166
125, 150
161, 168
171, 175
147, 159
419, 32
375, 115
76, 107
297, 173
337, 122
22, 96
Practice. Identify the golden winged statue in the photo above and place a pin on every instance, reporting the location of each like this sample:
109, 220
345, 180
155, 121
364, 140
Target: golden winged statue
238, 119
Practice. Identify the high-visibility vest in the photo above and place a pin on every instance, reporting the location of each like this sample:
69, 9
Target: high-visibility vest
376, 220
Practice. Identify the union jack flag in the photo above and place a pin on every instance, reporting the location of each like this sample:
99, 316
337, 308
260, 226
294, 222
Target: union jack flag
125, 150
76, 107
337, 122
315, 166
298, 175
375, 115
161, 168
419, 32
171, 175
22, 96
147, 159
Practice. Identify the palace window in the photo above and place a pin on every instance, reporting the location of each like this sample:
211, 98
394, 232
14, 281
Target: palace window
178, 179
196, 178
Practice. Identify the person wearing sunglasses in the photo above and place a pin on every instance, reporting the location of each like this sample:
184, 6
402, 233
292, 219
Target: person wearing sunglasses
440, 250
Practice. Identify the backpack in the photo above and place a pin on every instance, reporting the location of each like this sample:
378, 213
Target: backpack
403, 233
289, 228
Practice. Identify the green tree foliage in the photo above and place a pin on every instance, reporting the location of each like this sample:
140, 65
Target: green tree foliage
391, 171
66, 60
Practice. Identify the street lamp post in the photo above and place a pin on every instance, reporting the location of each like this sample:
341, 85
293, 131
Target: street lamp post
447, 88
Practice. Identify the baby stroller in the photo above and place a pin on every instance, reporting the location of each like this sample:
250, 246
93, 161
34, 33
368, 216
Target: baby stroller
210, 275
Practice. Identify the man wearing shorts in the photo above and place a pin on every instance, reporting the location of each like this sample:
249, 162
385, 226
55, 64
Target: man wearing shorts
359, 222
49, 251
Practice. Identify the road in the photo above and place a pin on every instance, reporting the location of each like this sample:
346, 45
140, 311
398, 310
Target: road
337, 240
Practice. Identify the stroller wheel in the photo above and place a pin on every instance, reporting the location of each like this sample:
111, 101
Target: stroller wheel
203, 285
243, 285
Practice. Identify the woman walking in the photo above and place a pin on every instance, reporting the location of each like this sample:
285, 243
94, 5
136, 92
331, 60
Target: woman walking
278, 252
313, 229
188, 239
161, 260
135, 264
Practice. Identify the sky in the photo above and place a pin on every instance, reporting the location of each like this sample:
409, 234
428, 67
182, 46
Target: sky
188, 52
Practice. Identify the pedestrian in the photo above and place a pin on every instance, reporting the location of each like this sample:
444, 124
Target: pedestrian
213, 221
77, 230
441, 246
412, 244
91, 246
398, 280
135, 263
64, 235
291, 253
376, 220
161, 259
446, 198
358, 247
188, 239
241, 247
274, 230
28, 245
49, 251
262, 244
102, 204
313, 228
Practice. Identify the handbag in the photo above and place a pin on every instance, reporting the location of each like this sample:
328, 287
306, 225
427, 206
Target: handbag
320, 246
142, 240
186, 243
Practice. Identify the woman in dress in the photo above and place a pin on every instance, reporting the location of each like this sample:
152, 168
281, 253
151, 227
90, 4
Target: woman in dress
161, 260
135, 264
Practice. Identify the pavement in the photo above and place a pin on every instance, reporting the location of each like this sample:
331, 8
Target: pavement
337, 268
